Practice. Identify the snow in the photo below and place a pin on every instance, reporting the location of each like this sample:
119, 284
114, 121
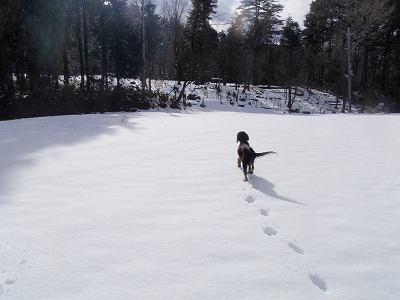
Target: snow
151, 205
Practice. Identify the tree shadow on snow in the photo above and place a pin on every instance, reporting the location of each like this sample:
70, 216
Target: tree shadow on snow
267, 188
21, 139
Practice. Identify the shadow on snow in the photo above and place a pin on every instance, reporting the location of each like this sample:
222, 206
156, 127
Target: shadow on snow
268, 189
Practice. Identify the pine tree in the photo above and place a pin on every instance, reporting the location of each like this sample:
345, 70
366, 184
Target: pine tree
262, 20
291, 40
198, 23
202, 40
153, 37
237, 65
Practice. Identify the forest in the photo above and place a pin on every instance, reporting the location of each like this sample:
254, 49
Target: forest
75, 56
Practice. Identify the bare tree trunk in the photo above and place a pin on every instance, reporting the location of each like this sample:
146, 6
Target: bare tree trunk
104, 69
86, 47
290, 102
66, 68
364, 72
185, 83
151, 66
80, 43
386, 60
103, 80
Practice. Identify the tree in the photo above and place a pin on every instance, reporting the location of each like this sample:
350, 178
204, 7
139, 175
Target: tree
237, 64
124, 40
10, 28
85, 8
78, 12
324, 26
198, 23
372, 48
153, 37
202, 39
173, 30
262, 23
104, 36
291, 41
393, 33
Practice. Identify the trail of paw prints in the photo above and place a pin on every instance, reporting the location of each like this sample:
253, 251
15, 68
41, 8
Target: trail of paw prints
11, 264
296, 248
318, 281
268, 230
271, 231
264, 212
250, 199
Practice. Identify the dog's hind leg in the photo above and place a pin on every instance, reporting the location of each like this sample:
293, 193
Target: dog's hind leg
245, 172
251, 167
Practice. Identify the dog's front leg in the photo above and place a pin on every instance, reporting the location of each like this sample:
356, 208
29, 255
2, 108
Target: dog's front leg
239, 162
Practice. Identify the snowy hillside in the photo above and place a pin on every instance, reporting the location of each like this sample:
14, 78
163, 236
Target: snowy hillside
257, 98
151, 205
305, 100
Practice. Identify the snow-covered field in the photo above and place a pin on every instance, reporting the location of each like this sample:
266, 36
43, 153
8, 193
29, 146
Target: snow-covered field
151, 205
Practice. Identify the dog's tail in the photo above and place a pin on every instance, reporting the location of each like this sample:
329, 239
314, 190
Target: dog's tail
265, 153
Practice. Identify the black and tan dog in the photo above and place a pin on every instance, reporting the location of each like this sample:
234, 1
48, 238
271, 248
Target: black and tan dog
246, 154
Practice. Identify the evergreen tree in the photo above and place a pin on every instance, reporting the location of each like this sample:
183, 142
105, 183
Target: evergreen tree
237, 64
394, 35
198, 23
262, 21
324, 26
125, 42
291, 41
202, 40
153, 38
10, 28
372, 45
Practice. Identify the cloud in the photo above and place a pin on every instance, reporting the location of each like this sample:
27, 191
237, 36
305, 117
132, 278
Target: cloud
225, 11
297, 9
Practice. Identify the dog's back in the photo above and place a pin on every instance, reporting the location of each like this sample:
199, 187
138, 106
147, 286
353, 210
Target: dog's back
246, 153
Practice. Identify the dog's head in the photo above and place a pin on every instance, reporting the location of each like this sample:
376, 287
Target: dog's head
242, 137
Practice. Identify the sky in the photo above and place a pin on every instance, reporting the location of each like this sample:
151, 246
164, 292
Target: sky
297, 9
